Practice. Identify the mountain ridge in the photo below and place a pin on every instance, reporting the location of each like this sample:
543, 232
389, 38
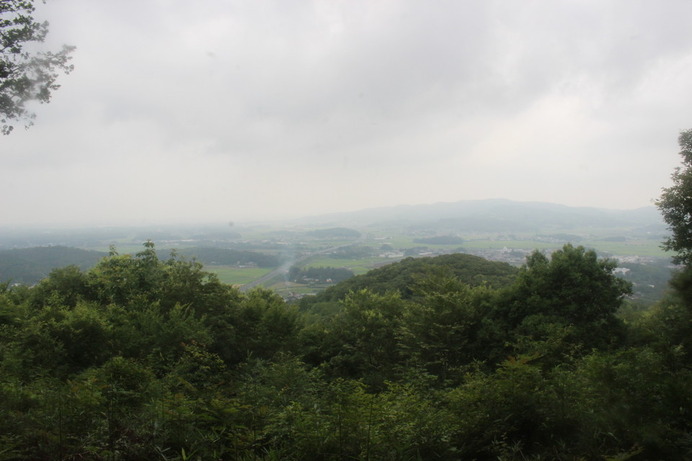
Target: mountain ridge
494, 214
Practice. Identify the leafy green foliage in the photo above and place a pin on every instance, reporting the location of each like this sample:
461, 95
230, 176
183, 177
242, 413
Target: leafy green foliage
573, 288
572, 284
445, 329
143, 358
25, 76
676, 204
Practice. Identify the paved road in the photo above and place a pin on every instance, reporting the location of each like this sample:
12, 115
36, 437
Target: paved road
279, 271
282, 270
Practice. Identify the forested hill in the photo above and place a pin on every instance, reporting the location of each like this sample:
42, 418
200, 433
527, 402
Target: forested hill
402, 276
29, 265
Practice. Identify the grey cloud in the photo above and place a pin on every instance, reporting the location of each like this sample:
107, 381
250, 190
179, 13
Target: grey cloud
466, 99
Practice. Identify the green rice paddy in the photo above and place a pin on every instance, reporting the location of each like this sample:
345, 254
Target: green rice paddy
235, 275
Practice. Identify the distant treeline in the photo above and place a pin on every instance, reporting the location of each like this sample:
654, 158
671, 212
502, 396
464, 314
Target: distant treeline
319, 274
352, 252
227, 257
29, 265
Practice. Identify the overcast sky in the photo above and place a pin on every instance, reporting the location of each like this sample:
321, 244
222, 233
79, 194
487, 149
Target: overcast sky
226, 110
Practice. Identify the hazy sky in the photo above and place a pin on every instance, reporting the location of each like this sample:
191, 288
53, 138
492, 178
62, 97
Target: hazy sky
212, 111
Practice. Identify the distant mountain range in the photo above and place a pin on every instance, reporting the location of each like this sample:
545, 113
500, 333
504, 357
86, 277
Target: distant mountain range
497, 215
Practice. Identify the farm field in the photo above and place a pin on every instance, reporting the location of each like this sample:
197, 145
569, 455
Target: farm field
236, 275
359, 248
489, 247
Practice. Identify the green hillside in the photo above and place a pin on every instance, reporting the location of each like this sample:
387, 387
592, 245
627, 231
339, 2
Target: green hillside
29, 265
402, 276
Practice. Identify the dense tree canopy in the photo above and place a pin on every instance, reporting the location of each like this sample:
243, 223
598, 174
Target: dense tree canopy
676, 204
675, 315
25, 75
146, 358
574, 288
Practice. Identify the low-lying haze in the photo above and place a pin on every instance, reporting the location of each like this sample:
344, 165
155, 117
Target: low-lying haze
246, 110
